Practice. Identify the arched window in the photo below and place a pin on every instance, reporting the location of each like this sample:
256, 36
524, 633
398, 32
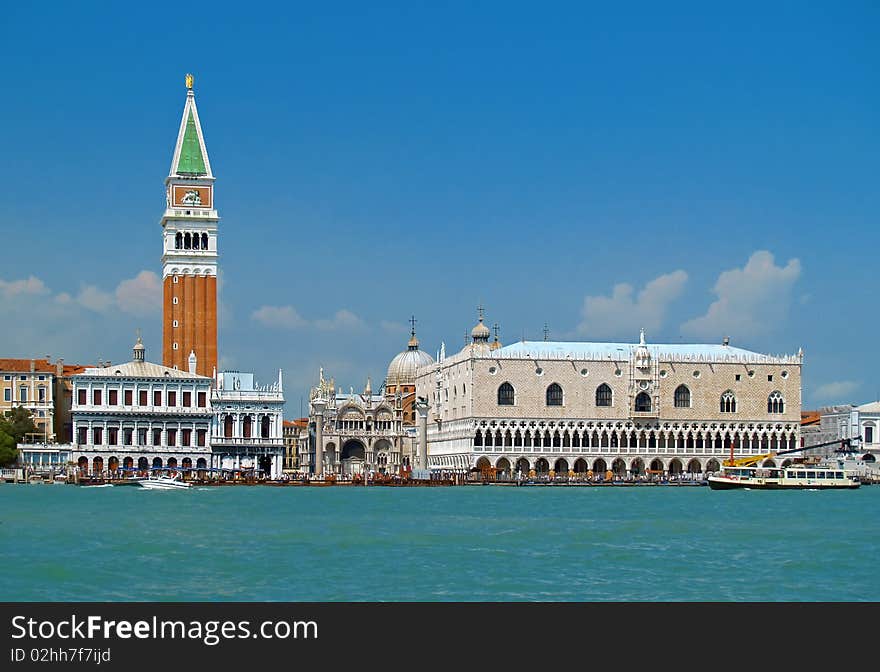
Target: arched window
554, 395
178, 241
506, 395
728, 402
775, 403
643, 402
603, 395
187, 241
204, 241
682, 397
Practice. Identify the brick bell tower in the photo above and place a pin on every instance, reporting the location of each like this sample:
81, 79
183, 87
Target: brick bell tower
189, 250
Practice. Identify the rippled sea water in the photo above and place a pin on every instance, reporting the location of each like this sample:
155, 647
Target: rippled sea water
471, 543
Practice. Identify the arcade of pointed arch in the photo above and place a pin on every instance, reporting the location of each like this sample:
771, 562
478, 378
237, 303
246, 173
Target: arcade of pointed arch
537, 436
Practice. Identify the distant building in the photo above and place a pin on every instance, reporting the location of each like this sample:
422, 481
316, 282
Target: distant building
859, 424
293, 431
361, 432
631, 408
42, 458
247, 429
355, 432
141, 415
45, 389
30, 383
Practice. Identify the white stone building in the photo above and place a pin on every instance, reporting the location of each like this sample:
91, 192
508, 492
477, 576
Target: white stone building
859, 424
141, 415
355, 432
248, 427
629, 408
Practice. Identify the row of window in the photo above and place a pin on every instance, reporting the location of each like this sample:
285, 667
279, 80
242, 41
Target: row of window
9, 376
643, 401
191, 241
247, 424
23, 394
143, 435
143, 398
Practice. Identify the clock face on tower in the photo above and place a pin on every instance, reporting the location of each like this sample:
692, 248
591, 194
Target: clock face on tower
191, 196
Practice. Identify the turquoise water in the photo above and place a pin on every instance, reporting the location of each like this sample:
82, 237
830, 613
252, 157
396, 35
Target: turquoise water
67, 543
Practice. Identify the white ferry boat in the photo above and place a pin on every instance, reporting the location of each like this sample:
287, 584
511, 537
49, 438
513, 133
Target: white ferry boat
792, 477
164, 483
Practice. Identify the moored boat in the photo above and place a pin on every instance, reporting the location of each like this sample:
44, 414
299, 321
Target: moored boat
792, 477
164, 483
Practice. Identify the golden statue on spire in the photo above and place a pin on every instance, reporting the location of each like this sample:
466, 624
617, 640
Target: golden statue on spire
189, 81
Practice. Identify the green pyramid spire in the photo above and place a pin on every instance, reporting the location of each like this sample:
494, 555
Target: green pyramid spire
191, 161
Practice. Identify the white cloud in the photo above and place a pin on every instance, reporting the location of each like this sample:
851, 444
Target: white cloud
841, 391
284, 317
621, 315
95, 299
392, 327
140, 295
343, 319
32, 285
287, 317
751, 300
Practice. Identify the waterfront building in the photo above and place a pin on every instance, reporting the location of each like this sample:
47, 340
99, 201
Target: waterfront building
189, 252
141, 415
355, 432
30, 383
859, 424
293, 432
45, 389
247, 423
45, 458
635, 409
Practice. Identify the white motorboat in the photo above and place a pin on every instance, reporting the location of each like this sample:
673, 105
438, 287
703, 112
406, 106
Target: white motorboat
164, 483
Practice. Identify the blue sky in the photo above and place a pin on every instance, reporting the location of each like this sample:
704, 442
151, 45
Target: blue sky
697, 171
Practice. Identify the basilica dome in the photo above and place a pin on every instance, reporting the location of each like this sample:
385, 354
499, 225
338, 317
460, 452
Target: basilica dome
403, 368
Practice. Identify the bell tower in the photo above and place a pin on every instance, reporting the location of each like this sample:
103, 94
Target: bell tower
189, 250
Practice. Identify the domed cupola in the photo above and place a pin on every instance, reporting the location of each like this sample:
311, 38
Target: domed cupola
480, 333
479, 344
494, 345
405, 366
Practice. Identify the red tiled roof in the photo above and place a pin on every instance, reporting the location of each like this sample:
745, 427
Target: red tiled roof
24, 365
41, 365
810, 418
